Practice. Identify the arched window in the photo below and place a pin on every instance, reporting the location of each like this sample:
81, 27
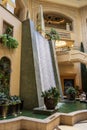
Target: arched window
57, 20
5, 69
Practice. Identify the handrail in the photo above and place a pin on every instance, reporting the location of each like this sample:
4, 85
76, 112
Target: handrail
63, 50
72, 56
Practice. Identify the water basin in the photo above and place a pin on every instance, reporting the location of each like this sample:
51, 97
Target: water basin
67, 107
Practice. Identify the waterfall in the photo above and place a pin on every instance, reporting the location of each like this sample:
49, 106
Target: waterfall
45, 62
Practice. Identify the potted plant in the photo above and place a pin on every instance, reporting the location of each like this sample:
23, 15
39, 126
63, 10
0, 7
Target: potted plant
51, 97
71, 93
14, 107
4, 103
7, 40
52, 35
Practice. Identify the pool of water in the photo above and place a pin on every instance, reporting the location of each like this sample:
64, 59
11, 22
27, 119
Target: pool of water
64, 107
67, 107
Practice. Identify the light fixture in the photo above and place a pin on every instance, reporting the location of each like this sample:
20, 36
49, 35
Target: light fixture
60, 43
72, 45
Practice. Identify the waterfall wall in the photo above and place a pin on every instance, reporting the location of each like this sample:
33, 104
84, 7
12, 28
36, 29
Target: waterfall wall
45, 62
46, 77
45, 66
37, 72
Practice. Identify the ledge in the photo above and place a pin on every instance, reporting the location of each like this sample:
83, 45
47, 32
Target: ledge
51, 122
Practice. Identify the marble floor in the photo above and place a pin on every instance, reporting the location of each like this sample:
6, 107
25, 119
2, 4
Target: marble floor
79, 126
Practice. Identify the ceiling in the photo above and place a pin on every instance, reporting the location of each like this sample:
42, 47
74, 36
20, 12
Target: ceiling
74, 3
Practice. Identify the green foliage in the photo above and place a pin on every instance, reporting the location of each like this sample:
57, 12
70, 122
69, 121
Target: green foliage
3, 99
51, 93
15, 100
9, 31
52, 35
70, 90
9, 100
8, 41
5, 75
2, 95
4, 89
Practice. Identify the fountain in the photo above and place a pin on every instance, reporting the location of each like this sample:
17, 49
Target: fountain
38, 68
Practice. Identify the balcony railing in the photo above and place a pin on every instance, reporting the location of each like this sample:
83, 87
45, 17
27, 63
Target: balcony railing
64, 50
73, 54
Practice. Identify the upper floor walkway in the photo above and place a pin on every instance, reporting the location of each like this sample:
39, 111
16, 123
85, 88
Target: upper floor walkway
71, 55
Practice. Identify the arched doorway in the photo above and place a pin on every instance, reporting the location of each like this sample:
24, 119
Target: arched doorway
5, 69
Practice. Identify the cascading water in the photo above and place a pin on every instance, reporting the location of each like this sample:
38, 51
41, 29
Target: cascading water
45, 62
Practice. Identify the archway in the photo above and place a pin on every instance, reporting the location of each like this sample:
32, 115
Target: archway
5, 70
57, 20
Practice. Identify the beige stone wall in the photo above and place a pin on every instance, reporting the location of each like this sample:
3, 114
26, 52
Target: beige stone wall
70, 71
13, 55
70, 12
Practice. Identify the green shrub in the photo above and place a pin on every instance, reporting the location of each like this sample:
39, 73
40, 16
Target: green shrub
51, 93
8, 41
52, 35
71, 90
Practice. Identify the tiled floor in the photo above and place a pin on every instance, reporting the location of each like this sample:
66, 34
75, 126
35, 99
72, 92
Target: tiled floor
64, 127
79, 126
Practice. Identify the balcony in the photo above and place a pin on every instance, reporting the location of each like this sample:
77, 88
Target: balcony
71, 55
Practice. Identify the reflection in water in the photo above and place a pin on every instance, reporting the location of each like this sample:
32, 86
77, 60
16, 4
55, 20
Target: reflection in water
67, 107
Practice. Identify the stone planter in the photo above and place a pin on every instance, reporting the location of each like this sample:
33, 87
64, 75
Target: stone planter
71, 96
50, 103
